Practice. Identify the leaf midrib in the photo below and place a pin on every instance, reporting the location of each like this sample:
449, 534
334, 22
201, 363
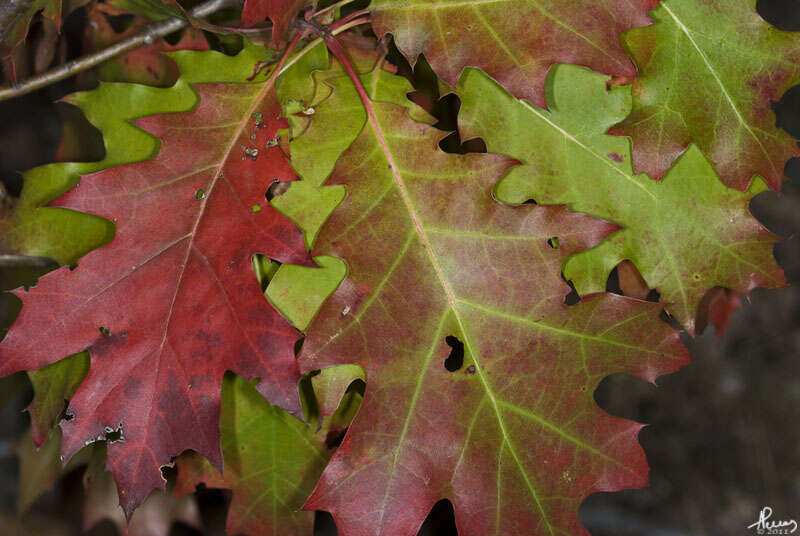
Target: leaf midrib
453, 304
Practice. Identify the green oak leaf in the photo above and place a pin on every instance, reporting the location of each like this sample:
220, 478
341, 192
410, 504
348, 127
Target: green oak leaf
271, 462
686, 233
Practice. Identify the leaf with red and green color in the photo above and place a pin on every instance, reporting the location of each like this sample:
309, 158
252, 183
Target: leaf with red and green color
280, 12
479, 378
686, 233
515, 41
156, 308
272, 462
711, 84
145, 65
325, 122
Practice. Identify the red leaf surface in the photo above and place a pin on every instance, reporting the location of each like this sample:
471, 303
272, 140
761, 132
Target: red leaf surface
512, 436
280, 12
172, 302
514, 41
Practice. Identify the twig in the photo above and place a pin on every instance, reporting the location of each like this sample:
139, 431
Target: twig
146, 37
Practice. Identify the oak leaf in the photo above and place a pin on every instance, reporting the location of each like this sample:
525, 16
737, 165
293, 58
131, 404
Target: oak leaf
687, 233
708, 72
155, 307
515, 41
479, 378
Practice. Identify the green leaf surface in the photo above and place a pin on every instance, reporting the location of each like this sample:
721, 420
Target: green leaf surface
686, 233
271, 462
326, 115
52, 386
708, 72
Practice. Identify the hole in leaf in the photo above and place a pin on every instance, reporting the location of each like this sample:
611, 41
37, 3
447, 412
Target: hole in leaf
455, 360
334, 438
113, 435
298, 345
169, 473
452, 144
573, 297
553, 242
653, 296
275, 189
530, 202
104, 331
441, 520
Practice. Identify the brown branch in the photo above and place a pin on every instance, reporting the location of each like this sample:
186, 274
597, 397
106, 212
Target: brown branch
146, 37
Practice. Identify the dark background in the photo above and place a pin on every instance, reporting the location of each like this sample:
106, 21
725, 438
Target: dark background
723, 439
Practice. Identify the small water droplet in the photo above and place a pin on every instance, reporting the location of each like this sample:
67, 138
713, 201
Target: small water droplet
200, 194
104, 331
273, 142
309, 111
252, 136
345, 310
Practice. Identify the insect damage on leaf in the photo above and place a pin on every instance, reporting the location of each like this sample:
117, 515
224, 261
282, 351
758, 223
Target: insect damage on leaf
434, 261
175, 289
686, 233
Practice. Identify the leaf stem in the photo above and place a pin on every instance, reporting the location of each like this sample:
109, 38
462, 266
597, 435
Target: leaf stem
147, 36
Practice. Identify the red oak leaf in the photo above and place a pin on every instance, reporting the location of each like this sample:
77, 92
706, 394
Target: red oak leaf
172, 302
479, 378
280, 12
514, 41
